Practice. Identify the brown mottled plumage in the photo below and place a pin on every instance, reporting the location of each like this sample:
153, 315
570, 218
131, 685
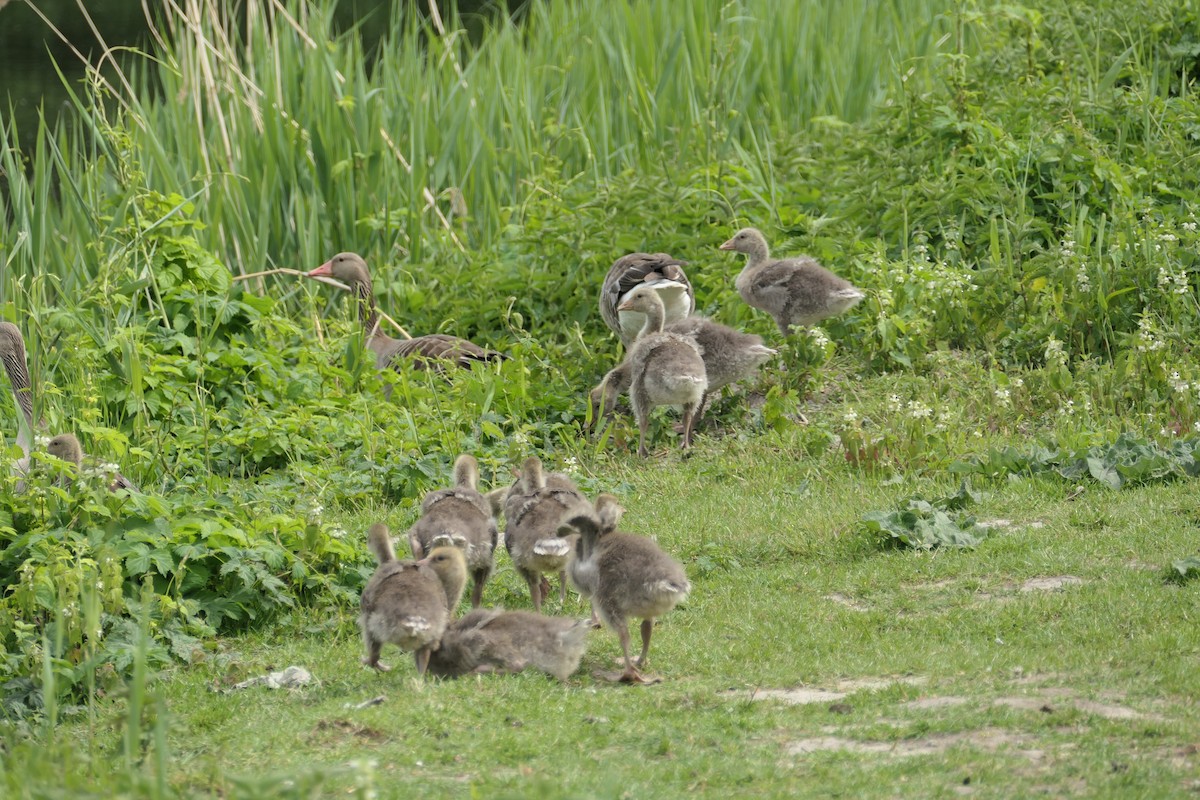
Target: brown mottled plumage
432, 350
461, 517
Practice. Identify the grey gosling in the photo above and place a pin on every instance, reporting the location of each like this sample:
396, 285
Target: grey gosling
491, 640
432, 350
659, 271
729, 356
407, 603
664, 368
625, 575
794, 291
461, 517
533, 509
66, 447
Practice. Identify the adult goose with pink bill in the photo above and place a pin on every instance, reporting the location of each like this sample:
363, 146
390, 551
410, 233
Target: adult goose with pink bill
434, 350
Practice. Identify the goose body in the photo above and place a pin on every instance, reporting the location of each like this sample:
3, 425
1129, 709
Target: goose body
433, 350
459, 516
660, 272
492, 640
624, 574
407, 603
794, 291
533, 509
665, 369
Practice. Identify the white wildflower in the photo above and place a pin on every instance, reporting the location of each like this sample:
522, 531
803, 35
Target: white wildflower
919, 410
1003, 396
851, 416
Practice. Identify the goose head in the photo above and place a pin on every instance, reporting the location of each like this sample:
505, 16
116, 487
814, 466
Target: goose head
66, 447
749, 241
450, 566
349, 268
644, 299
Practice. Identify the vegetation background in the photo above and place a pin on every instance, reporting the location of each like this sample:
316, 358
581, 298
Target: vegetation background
1013, 184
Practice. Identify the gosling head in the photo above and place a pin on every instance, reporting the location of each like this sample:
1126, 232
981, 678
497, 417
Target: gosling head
450, 566
643, 298
66, 447
749, 241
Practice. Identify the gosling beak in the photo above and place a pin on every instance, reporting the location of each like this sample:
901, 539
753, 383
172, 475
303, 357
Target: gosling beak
727, 246
626, 306
325, 269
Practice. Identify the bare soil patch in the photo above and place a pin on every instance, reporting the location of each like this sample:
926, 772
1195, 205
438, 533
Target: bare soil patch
990, 739
806, 695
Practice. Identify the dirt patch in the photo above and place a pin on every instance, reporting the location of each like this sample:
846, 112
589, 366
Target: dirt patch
847, 601
934, 703
990, 739
1050, 584
807, 695
1051, 700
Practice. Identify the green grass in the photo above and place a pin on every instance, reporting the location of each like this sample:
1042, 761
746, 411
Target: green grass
796, 597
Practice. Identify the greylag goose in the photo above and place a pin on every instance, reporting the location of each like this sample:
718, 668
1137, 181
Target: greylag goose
66, 447
533, 509
625, 576
406, 603
461, 517
16, 366
794, 291
657, 270
433, 349
729, 356
664, 368
491, 640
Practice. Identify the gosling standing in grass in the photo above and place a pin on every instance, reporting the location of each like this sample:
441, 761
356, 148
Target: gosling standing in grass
665, 369
533, 507
407, 603
625, 576
462, 517
794, 291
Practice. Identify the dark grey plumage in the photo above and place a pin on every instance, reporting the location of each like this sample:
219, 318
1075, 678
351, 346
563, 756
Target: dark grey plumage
625, 575
406, 603
461, 517
492, 640
794, 291
665, 369
433, 350
657, 270
533, 508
